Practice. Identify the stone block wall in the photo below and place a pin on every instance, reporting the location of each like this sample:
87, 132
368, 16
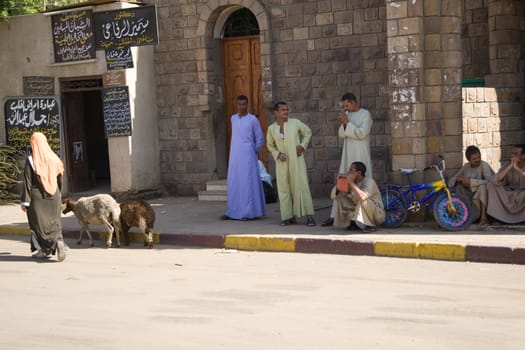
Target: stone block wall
475, 39
323, 49
404, 60
506, 20
312, 52
493, 120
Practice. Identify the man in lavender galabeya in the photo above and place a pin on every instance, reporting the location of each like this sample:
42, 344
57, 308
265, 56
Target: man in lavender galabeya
245, 190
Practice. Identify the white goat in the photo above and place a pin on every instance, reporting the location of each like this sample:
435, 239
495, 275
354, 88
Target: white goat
100, 209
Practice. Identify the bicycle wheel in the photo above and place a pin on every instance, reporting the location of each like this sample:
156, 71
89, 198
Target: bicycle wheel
455, 220
395, 208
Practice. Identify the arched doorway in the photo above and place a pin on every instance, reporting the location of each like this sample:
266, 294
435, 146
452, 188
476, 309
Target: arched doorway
242, 70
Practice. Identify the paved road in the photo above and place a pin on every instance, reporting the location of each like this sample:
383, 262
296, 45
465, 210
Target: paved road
185, 298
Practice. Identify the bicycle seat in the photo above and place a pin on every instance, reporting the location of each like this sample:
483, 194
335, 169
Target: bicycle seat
406, 171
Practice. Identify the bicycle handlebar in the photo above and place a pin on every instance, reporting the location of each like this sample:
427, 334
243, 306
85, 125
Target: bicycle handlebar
436, 166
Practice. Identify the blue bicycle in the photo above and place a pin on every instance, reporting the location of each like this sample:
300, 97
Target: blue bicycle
451, 211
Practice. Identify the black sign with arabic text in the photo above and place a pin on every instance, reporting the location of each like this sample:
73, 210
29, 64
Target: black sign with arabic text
119, 58
73, 37
135, 26
117, 113
25, 115
39, 86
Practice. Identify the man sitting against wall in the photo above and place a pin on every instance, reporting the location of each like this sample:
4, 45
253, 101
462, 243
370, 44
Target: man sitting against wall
357, 201
506, 192
471, 182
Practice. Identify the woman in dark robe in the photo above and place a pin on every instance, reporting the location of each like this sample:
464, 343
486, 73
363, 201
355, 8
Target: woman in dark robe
41, 198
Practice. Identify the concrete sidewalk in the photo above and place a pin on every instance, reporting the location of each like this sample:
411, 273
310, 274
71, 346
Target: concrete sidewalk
188, 221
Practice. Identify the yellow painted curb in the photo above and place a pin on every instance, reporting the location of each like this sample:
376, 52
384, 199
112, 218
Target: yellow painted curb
442, 251
138, 237
396, 249
438, 251
134, 237
14, 230
259, 243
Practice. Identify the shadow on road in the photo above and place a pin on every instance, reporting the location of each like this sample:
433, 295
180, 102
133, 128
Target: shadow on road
8, 257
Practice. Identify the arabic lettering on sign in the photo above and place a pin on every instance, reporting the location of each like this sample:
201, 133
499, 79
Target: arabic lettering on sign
118, 130
73, 36
119, 58
70, 39
25, 115
114, 78
75, 53
126, 27
117, 113
144, 40
25, 105
72, 23
115, 94
39, 86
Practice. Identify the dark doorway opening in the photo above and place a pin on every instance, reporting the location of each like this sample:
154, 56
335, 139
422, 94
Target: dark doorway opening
86, 146
241, 23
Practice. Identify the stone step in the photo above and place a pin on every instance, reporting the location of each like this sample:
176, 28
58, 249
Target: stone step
220, 196
216, 185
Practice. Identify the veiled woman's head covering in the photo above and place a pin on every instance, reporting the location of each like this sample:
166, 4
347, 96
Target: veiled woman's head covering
46, 163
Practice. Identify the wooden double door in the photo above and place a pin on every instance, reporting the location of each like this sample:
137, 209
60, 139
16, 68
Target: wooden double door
242, 76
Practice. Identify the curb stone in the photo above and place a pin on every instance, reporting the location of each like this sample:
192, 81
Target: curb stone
249, 242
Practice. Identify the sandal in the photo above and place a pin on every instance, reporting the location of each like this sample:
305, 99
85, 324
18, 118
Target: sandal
328, 222
310, 221
352, 226
287, 222
369, 229
61, 250
40, 255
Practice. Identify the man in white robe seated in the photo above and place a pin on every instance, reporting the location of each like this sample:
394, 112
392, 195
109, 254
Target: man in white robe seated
358, 201
507, 190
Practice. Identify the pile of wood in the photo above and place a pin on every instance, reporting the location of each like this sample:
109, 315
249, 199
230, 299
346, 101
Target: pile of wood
10, 175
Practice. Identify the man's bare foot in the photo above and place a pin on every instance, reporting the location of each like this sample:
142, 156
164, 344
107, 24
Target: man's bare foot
483, 222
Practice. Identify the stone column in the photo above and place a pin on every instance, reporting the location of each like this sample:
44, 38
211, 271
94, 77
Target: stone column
425, 60
405, 67
443, 75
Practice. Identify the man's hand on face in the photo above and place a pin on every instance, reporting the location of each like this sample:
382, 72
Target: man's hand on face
343, 119
350, 177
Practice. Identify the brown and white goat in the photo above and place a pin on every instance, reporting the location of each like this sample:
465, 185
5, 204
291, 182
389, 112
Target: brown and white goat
100, 209
137, 213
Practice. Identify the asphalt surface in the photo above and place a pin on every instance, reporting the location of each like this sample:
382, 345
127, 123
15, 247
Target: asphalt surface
189, 222
176, 297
